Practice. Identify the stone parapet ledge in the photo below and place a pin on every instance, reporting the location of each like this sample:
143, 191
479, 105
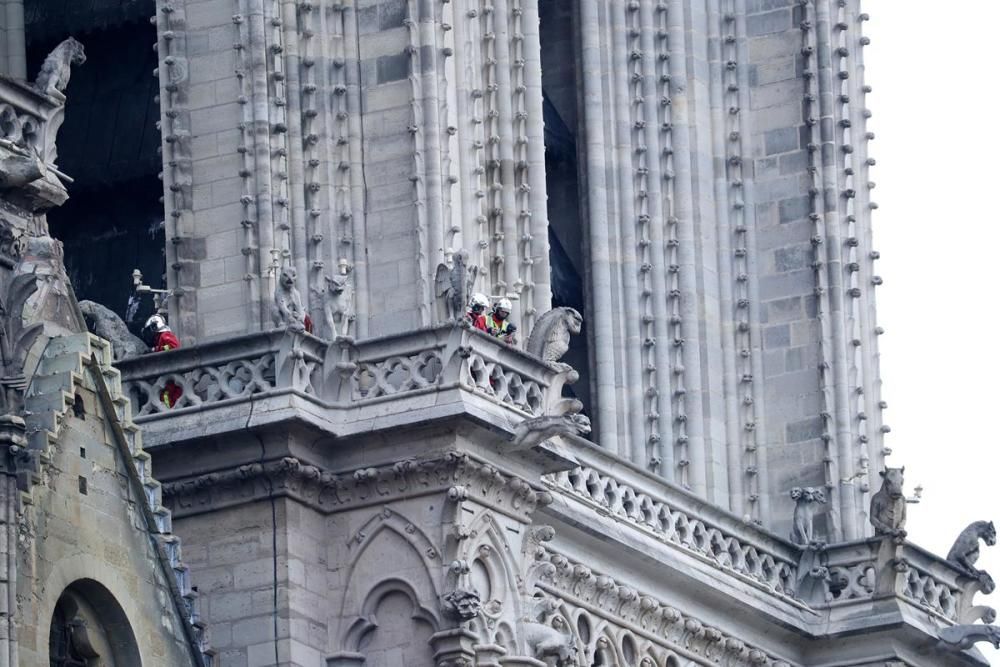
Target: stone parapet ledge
881, 568
677, 517
29, 123
343, 387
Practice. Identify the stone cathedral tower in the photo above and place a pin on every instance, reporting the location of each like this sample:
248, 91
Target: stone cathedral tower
391, 488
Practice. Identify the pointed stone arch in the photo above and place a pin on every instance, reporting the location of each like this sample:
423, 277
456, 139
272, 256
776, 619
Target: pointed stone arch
389, 581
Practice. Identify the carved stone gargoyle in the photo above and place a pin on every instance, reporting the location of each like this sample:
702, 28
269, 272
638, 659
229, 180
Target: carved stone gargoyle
53, 77
888, 505
453, 286
287, 310
549, 339
461, 604
963, 637
806, 499
965, 552
534, 431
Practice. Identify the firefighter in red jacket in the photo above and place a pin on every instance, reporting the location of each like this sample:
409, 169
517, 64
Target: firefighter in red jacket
160, 338
477, 311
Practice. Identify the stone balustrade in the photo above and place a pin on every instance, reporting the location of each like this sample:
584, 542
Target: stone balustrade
680, 519
340, 375
881, 567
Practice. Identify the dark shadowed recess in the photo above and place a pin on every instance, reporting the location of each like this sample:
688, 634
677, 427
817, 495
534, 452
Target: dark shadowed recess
567, 230
108, 144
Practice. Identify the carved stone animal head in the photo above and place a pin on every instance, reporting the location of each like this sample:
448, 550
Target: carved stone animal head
574, 321
808, 494
336, 284
989, 534
74, 51
892, 481
288, 276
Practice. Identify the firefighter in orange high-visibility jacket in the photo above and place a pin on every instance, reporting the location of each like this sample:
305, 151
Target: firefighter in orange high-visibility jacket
160, 338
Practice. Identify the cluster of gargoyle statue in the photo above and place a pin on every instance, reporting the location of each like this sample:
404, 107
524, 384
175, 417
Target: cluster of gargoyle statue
888, 517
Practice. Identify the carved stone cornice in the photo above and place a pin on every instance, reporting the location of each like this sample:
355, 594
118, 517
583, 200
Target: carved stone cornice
646, 616
458, 475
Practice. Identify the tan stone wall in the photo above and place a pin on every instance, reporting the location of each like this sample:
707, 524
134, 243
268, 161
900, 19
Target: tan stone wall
98, 535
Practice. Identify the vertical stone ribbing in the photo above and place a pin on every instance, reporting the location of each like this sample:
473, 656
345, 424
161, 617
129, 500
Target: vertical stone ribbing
751, 397
472, 130
504, 139
721, 34
172, 72
355, 205
684, 299
420, 158
597, 208
629, 148
836, 244
811, 112
648, 53
868, 333
534, 129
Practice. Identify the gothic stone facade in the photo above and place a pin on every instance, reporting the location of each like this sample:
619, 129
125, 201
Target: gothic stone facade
693, 175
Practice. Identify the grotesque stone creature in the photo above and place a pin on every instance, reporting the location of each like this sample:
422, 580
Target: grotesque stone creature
888, 506
550, 645
461, 604
106, 324
338, 306
53, 77
453, 285
287, 311
532, 432
963, 637
549, 339
806, 499
965, 551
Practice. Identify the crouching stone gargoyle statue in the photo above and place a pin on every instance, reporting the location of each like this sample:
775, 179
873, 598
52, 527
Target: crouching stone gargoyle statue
965, 552
806, 500
549, 339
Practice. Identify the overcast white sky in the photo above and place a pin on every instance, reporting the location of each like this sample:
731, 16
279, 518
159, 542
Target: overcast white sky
935, 103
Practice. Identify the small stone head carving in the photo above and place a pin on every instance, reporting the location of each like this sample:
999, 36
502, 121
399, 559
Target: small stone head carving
892, 481
336, 283
288, 276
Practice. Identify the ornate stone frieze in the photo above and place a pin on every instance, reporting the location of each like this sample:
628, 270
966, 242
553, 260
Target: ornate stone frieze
460, 476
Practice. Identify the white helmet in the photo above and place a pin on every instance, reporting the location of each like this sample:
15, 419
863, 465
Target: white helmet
479, 299
504, 304
156, 323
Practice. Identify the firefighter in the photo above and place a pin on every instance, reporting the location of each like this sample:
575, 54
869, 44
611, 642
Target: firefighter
160, 338
477, 311
498, 322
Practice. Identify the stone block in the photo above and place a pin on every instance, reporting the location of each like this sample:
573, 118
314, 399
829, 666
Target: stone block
777, 336
769, 22
781, 140
792, 258
806, 429
391, 14
392, 68
794, 208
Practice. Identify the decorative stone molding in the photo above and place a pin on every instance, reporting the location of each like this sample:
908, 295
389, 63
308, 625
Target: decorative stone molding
600, 597
459, 476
